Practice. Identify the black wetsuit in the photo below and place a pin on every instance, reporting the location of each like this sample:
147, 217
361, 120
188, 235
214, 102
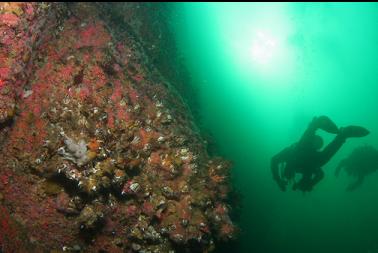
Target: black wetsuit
302, 158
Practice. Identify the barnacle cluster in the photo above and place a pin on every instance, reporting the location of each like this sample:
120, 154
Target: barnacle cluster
76, 152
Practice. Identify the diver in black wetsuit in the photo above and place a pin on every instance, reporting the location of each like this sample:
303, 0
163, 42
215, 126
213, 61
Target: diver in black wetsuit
305, 157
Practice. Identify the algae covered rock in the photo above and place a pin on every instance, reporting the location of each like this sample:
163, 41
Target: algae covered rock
101, 154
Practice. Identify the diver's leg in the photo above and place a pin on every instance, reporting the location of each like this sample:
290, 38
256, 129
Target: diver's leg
308, 134
326, 124
331, 149
321, 122
338, 141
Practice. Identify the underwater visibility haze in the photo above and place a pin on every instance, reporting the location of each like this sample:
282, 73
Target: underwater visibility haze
262, 72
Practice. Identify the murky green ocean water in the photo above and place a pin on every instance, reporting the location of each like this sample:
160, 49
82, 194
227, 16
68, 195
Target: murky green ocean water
262, 71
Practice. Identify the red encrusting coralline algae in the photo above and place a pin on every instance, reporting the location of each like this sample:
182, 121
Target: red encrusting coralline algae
98, 151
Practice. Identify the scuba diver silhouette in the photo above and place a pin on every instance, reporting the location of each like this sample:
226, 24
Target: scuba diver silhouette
360, 163
305, 156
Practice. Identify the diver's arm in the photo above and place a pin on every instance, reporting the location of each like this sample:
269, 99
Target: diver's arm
274, 166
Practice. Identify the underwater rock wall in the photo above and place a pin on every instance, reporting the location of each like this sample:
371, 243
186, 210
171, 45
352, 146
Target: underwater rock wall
22, 28
151, 24
98, 151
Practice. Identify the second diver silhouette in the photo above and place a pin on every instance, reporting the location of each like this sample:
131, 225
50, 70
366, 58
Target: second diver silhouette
305, 156
361, 162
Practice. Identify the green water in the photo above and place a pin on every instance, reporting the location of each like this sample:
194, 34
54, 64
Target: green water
262, 71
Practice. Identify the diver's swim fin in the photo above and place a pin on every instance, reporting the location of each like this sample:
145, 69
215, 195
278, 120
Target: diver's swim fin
326, 124
354, 131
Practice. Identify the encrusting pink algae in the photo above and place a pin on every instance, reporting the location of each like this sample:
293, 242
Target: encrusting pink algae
98, 153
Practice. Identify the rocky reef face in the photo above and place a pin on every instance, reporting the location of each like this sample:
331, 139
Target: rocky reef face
98, 152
